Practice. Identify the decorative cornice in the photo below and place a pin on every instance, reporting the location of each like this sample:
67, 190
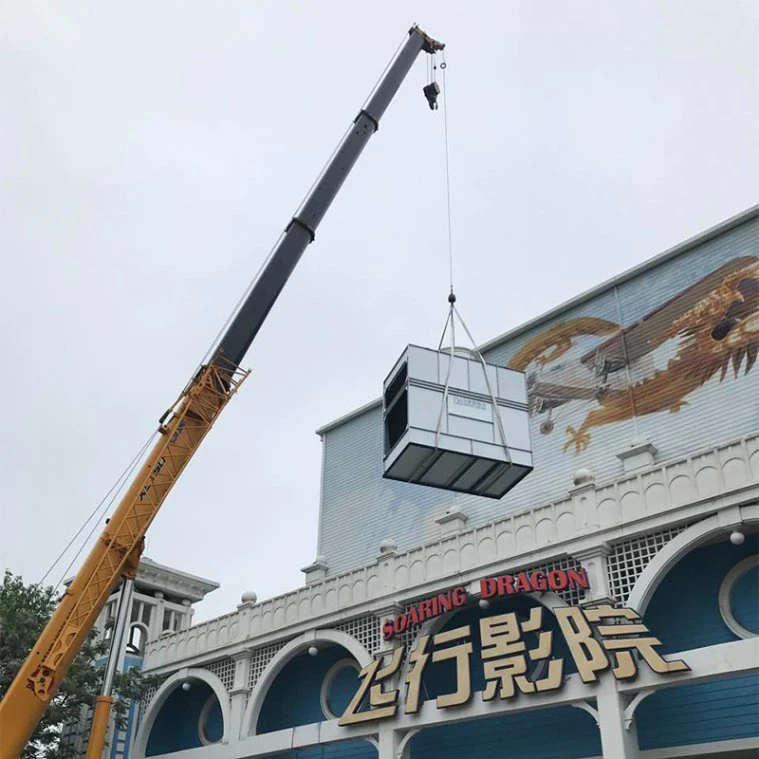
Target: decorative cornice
154, 576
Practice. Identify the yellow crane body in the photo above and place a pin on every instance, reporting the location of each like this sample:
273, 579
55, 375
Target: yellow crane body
182, 429
115, 555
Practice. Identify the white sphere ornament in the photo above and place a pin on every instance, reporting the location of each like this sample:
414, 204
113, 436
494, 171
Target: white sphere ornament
388, 545
484, 603
249, 597
313, 650
583, 476
737, 537
186, 687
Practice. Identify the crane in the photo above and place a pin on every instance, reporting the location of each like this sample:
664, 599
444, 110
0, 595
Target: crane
181, 430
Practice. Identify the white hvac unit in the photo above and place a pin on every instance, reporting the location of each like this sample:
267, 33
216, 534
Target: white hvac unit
452, 421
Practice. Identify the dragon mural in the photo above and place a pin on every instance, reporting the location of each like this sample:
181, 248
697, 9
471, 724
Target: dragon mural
651, 365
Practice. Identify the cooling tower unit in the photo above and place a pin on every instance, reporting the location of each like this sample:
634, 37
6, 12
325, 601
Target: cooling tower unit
451, 438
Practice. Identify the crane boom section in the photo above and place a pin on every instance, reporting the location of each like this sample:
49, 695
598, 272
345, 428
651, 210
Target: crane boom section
39, 677
181, 433
302, 228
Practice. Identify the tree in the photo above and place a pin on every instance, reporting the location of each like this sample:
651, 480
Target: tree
24, 612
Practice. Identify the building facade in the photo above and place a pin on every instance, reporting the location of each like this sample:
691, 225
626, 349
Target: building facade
607, 606
161, 603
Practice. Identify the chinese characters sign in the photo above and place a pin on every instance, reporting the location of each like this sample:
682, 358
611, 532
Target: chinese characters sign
597, 639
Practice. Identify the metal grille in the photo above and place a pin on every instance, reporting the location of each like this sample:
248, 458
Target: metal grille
260, 660
628, 559
224, 669
366, 630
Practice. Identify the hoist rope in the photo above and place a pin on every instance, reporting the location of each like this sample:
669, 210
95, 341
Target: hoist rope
103, 505
443, 67
115, 490
453, 313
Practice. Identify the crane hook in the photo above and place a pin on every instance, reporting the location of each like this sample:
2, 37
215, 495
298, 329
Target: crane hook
431, 91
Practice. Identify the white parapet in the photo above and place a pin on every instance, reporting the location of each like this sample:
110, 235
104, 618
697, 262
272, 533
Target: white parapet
677, 491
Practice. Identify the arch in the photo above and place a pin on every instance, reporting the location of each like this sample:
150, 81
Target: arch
690, 538
284, 655
139, 648
168, 686
547, 598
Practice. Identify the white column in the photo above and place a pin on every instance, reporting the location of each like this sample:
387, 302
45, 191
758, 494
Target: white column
187, 614
390, 744
594, 561
381, 616
157, 623
617, 740
239, 693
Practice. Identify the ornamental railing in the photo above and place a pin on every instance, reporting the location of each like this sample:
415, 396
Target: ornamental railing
668, 493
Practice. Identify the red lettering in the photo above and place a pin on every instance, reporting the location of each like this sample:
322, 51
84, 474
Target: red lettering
425, 610
488, 588
523, 583
578, 578
538, 581
444, 602
459, 597
400, 624
503, 584
557, 579
387, 629
510, 584
413, 617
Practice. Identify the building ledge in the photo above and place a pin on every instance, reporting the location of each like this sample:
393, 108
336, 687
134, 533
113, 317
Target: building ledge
669, 493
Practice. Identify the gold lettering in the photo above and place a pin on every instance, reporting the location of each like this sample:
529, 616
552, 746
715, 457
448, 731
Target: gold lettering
461, 654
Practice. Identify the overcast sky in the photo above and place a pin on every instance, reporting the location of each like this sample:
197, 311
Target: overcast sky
151, 152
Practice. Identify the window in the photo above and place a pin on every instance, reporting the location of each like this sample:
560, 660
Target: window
136, 643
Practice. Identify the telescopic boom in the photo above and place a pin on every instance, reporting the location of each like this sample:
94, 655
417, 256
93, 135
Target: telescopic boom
116, 554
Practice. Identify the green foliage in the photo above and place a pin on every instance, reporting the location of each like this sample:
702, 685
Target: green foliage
24, 612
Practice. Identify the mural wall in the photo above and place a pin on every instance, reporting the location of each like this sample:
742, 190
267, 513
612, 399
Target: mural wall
669, 356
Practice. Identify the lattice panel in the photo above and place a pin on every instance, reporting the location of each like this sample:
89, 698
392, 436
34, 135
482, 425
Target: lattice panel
366, 630
572, 596
628, 560
146, 698
260, 660
224, 669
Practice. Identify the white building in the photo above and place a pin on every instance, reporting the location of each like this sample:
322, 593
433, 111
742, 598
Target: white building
161, 603
645, 434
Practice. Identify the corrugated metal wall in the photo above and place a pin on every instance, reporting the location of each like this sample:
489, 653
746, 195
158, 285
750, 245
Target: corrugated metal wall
667, 314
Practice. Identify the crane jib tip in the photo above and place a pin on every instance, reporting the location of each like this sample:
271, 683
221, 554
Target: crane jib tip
429, 45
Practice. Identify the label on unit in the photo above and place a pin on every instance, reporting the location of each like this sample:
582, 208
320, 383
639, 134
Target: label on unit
471, 408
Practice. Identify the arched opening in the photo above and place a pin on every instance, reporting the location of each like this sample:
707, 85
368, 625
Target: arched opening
321, 640
690, 590
138, 635
706, 586
440, 678
190, 716
305, 686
